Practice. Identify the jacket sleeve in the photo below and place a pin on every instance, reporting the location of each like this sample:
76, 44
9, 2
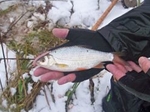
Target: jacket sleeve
137, 84
130, 33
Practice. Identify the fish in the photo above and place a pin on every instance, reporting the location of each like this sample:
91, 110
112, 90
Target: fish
74, 58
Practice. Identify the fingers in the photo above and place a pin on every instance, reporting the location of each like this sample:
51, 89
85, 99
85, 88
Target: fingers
68, 78
118, 70
120, 67
117, 73
120, 61
47, 75
39, 71
60, 32
135, 66
144, 63
53, 75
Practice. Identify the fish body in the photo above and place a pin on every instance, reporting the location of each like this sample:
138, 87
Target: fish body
73, 58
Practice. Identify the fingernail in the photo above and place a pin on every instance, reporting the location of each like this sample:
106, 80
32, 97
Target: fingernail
141, 60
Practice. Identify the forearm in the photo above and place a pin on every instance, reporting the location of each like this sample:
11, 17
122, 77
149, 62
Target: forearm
130, 33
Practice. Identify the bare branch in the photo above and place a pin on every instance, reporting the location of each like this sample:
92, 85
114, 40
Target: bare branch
14, 23
1, 85
4, 58
16, 59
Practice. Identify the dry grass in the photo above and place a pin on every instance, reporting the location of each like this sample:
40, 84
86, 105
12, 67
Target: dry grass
24, 41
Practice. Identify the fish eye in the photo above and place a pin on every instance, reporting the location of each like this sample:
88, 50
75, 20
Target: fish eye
42, 59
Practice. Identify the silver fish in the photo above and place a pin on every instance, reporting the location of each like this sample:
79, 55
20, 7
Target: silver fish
73, 58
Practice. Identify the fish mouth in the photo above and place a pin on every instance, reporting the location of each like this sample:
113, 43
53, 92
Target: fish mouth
37, 63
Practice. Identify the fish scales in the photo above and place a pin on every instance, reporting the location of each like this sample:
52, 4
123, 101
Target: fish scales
74, 58
76, 53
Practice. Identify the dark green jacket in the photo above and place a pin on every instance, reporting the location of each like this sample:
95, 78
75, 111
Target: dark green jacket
130, 34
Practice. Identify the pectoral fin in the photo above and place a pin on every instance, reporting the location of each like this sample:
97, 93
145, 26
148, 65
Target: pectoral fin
61, 65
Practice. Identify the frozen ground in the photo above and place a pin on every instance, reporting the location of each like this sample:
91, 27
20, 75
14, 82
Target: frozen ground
70, 13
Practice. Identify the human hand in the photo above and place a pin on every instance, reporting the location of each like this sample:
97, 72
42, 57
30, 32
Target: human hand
75, 37
119, 70
134, 81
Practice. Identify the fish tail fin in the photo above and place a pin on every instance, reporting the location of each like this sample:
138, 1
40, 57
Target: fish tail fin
100, 66
118, 59
120, 54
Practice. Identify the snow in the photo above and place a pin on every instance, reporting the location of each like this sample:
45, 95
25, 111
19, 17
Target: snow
13, 91
13, 106
82, 13
30, 88
68, 13
35, 79
4, 103
25, 75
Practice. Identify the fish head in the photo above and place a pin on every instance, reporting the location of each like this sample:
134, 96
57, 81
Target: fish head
46, 61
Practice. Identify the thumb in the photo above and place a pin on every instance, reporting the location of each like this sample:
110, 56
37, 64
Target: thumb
60, 32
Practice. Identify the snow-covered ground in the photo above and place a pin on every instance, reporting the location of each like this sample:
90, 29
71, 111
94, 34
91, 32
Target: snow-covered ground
71, 13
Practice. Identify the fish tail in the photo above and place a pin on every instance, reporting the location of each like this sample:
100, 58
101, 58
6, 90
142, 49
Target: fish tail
120, 54
100, 66
118, 59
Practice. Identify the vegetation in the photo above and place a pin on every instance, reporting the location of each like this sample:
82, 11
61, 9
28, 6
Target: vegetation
27, 42
8, 10
32, 43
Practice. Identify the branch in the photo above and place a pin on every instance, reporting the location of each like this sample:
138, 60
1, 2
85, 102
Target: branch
100, 20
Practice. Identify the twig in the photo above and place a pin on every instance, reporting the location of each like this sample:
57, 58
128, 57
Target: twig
14, 23
28, 101
100, 20
91, 87
98, 6
51, 91
4, 58
46, 97
16, 59
72, 8
1, 85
